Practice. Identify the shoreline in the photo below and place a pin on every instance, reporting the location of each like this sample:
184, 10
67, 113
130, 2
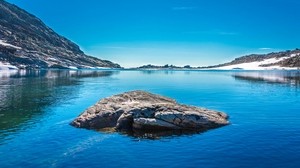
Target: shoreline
137, 69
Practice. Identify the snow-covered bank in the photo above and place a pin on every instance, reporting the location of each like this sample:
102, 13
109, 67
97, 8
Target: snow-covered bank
7, 66
259, 65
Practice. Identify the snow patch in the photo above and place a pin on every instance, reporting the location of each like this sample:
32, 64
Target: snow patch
7, 66
293, 55
3, 43
72, 67
103, 68
52, 59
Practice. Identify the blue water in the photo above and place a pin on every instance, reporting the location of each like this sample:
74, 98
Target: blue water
36, 108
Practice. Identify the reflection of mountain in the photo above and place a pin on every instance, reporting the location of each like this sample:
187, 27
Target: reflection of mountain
288, 77
24, 95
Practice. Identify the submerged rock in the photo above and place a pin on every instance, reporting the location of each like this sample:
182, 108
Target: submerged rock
143, 111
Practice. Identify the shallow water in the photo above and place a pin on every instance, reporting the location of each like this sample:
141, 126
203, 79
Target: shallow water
36, 108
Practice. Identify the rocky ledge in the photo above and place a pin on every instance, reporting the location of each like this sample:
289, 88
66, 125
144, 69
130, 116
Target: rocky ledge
143, 111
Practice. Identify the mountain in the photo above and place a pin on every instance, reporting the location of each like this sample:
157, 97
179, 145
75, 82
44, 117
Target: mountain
289, 59
26, 42
160, 67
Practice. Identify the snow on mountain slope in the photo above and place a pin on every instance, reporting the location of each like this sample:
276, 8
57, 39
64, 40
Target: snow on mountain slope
259, 65
7, 66
3, 43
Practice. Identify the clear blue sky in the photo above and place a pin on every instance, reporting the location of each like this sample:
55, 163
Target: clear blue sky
180, 32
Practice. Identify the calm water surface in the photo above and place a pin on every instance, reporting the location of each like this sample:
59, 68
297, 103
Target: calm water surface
36, 108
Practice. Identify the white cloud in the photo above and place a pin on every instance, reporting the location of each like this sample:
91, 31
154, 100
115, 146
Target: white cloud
213, 32
180, 8
265, 48
227, 33
115, 47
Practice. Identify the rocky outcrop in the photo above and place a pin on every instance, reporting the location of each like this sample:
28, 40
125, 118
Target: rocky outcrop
26, 42
291, 62
139, 110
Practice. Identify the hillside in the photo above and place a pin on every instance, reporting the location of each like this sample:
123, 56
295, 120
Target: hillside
26, 42
289, 59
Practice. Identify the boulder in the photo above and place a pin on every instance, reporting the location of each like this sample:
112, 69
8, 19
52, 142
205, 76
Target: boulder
144, 111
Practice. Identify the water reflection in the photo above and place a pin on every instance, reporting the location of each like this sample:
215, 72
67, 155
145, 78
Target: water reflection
54, 73
157, 135
165, 72
279, 77
25, 95
153, 134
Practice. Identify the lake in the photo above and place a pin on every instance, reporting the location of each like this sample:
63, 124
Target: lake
36, 108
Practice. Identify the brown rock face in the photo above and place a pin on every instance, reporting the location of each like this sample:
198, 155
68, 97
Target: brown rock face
139, 110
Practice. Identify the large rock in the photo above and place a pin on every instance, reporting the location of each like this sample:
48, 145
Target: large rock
139, 110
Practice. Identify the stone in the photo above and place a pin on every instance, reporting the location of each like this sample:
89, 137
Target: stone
140, 110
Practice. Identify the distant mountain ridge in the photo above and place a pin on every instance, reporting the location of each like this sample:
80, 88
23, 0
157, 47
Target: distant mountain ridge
287, 59
26, 42
167, 66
